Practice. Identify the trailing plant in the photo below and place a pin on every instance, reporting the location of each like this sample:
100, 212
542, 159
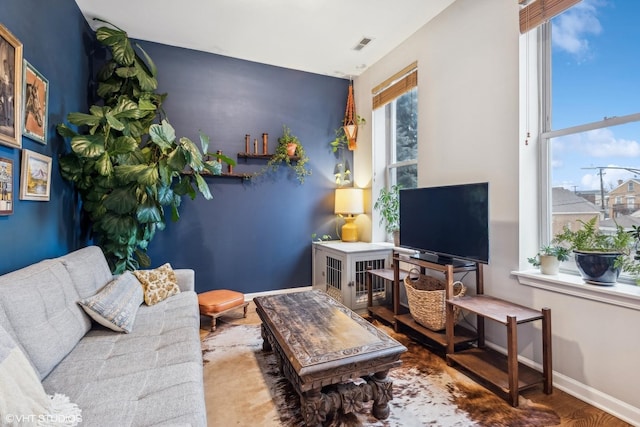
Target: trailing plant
340, 145
297, 162
388, 203
557, 251
323, 238
125, 161
341, 142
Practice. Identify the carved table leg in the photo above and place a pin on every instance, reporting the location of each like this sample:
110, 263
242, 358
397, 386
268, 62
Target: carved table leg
383, 393
266, 345
314, 409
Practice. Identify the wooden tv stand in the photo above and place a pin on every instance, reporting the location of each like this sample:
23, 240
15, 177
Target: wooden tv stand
504, 372
398, 315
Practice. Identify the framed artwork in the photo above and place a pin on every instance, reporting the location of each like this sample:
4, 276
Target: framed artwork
35, 95
10, 89
35, 176
6, 186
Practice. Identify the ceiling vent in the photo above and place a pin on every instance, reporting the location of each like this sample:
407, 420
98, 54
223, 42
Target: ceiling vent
362, 43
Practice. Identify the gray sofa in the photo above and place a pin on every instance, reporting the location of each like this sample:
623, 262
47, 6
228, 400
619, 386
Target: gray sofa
151, 376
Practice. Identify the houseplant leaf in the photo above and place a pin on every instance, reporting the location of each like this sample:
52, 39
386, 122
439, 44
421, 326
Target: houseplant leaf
88, 146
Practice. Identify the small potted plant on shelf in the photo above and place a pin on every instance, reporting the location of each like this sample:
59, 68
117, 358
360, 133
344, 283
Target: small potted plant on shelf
600, 257
549, 258
388, 203
290, 152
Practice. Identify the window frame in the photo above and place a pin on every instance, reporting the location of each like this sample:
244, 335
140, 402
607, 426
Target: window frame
625, 288
383, 137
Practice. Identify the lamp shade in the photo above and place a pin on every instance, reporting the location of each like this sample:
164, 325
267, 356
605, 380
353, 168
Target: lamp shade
349, 201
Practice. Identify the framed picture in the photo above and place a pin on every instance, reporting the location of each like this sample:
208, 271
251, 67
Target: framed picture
10, 89
6, 186
35, 176
35, 95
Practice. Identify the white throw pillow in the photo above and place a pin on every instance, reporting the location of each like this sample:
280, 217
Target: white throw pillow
115, 306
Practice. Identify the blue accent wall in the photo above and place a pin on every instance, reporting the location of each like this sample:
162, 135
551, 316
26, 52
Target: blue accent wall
253, 236
55, 37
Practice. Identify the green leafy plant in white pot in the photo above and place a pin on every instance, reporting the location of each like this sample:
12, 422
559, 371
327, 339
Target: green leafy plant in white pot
549, 258
388, 203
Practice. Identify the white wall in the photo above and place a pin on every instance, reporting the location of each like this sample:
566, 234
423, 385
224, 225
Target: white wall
469, 131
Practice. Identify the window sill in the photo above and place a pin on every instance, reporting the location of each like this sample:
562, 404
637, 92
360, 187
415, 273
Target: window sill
619, 294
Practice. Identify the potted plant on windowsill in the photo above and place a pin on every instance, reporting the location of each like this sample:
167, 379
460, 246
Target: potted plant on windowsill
290, 152
549, 258
388, 203
600, 257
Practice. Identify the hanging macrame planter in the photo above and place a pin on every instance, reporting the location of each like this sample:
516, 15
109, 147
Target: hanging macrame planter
350, 125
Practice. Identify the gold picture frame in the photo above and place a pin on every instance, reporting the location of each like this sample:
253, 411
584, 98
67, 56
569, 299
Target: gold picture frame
10, 89
35, 176
6, 186
35, 109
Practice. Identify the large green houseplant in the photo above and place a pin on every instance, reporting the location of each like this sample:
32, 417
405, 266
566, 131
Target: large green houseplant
599, 256
125, 161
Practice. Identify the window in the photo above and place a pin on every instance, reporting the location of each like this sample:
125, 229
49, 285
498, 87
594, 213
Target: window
396, 108
592, 127
395, 136
401, 137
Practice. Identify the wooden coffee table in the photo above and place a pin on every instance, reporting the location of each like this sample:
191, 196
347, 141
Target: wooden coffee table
333, 358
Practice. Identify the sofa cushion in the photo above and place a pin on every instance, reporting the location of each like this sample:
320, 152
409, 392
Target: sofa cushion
158, 284
151, 376
89, 270
116, 305
38, 309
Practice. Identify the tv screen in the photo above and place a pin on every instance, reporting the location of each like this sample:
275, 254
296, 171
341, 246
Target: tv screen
446, 224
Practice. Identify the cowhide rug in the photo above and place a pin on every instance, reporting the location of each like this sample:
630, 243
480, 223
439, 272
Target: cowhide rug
243, 387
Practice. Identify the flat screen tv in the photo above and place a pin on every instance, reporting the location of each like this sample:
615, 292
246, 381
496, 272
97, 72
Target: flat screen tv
448, 224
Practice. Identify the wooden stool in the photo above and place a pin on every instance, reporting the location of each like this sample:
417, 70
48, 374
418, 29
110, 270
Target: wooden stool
220, 301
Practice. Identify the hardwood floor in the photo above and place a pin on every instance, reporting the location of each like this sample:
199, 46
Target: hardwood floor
572, 411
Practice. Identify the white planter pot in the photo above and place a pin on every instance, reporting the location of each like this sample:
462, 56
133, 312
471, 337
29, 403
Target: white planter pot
549, 264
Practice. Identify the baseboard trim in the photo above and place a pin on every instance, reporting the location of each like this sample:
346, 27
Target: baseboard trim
590, 395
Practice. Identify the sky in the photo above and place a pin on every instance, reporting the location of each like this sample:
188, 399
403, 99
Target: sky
596, 74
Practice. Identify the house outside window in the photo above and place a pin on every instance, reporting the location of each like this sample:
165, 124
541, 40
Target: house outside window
592, 127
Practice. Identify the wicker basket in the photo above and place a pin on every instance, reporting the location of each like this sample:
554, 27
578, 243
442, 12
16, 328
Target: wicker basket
427, 296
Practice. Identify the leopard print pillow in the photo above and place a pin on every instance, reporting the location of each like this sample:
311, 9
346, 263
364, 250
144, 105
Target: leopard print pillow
158, 284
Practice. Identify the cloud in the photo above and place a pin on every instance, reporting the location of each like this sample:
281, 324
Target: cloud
570, 29
603, 143
597, 143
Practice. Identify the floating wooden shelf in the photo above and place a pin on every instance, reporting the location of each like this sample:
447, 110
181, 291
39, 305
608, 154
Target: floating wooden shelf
222, 175
263, 156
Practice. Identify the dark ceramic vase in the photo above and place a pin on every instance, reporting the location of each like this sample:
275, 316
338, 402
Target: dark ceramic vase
598, 268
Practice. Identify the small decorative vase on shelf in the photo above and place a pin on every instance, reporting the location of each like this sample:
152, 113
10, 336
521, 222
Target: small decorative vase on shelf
291, 149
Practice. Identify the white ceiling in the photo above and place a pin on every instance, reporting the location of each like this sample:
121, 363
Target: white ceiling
317, 36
